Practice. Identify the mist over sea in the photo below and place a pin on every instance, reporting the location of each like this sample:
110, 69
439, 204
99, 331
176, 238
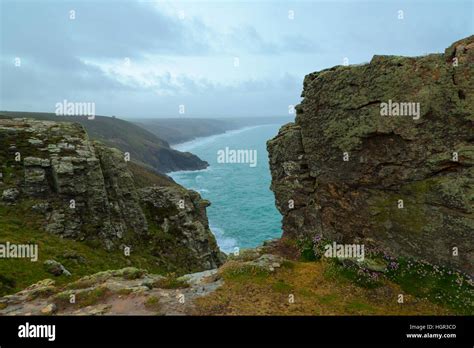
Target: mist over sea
242, 212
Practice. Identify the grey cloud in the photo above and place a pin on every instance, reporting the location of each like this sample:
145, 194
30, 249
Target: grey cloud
50, 45
248, 38
28, 82
100, 29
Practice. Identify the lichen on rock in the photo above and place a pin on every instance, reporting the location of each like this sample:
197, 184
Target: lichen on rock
86, 192
341, 169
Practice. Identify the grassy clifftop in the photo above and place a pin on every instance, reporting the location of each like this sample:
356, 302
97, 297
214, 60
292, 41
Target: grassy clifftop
276, 279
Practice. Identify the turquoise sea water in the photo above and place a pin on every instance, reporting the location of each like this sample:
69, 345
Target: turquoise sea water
242, 212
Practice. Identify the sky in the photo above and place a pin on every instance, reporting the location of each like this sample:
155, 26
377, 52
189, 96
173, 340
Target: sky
138, 59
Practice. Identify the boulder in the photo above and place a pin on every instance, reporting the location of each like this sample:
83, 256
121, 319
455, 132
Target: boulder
55, 268
10, 195
50, 309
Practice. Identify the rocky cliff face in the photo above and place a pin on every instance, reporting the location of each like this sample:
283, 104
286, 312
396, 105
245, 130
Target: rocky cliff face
351, 171
86, 192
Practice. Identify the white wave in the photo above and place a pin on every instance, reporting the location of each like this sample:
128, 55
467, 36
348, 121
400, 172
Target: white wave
178, 173
226, 244
189, 145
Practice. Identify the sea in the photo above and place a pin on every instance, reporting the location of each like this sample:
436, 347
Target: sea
242, 212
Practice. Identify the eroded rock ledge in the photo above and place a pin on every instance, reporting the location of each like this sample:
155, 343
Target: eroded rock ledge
390, 158
86, 192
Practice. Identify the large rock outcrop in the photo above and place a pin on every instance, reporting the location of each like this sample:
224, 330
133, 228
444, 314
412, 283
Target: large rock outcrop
348, 172
86, 192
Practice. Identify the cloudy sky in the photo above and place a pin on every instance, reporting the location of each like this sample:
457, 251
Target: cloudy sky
217, 58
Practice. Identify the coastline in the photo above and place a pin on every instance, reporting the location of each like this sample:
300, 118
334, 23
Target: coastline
228, 236
188, 145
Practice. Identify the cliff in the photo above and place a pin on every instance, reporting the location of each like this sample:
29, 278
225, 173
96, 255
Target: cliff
59, 183
360, 164
144, 147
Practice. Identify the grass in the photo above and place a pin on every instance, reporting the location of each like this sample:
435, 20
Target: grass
338, 271
281, 286
92, 297
307, 253
83, 298
124, 291
328, 299
247, 291
339, 287
144, 177
18, 224
234, 271
357, 307
170, 282
288, 264
439, 285
152, 303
